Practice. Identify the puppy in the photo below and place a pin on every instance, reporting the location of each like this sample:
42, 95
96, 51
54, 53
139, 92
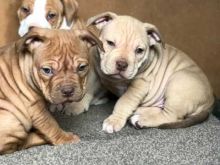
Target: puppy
61, 14
43, 66
95, 93
52, 14
158, 85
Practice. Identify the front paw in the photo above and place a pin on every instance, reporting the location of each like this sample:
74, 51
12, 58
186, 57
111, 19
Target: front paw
75, 108
55, 107
67, 137
113, 124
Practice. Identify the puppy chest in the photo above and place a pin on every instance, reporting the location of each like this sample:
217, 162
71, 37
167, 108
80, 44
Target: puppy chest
120, 90
117, 88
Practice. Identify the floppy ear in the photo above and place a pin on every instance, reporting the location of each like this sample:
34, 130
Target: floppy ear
90, 38
153, 34
30, 42
101, 20
70, 10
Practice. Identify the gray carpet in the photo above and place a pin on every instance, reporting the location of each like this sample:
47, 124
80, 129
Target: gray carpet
197, 145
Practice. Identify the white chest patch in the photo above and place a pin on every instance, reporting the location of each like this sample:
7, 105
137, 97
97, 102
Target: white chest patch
37, 18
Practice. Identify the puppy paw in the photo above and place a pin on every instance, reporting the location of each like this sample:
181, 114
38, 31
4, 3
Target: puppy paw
134, 120
75, 108
113, 124
67, 137
72, 138
54, 108
139, 121
146, 121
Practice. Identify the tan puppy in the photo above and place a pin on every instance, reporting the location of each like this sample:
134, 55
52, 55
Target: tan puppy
44, 66
95, 93
61, 14
55, 14
158, 85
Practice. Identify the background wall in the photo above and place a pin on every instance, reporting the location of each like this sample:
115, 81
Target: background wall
8, 21
190, 25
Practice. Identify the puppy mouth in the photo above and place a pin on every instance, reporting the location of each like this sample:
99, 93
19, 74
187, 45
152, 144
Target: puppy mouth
64, 100
118, 76
68, 100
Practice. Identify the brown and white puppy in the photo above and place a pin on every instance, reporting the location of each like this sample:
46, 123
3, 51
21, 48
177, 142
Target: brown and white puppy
43, 66
158, 85
51, 14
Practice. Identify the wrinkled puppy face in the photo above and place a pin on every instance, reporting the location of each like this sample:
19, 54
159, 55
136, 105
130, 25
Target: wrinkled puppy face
126, 42
60, 62
46, 14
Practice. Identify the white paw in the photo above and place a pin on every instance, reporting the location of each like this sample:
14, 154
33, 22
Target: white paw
134, 119
113, 124
107, 128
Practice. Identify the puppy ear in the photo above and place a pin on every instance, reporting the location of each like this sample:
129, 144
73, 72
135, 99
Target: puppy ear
30, 42
90, 38
101, 20
70, 10
153, 34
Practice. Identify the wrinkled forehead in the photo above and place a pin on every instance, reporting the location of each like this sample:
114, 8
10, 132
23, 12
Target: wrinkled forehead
125, 29
62, 44
66, 58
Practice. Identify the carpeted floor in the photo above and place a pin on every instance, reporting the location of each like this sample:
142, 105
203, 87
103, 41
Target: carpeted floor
197, 145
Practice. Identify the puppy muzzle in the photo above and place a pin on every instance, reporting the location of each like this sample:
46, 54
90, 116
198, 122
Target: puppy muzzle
32, 21
66, 94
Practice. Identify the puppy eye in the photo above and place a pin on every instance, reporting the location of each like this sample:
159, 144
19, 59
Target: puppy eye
110, 43
82, 67
25, 10
47, 71
51, 16
139, 51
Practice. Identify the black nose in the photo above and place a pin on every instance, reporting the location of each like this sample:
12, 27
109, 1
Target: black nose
67, 91
121, 65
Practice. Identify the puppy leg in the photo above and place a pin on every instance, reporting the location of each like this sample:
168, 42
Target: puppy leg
188, 99
151, 117
125, 106
34, 139
12, 133
48, 127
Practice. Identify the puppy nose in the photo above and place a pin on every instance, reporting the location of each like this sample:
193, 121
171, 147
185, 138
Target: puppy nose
67, 91
121, 65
